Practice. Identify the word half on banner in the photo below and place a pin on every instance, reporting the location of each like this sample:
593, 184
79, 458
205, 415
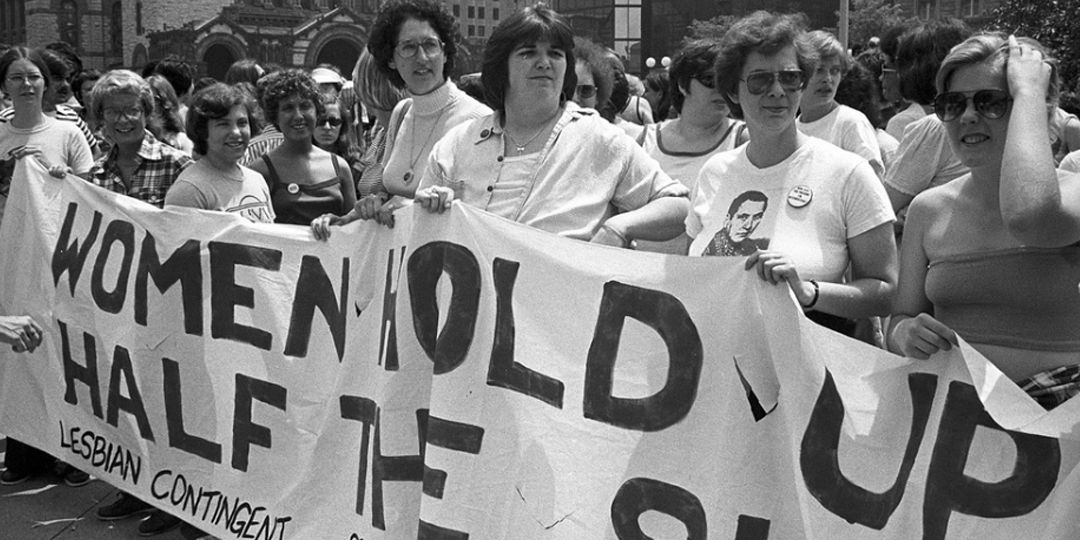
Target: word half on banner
464, 377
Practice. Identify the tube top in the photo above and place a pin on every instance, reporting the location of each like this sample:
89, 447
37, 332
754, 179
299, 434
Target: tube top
1024, 298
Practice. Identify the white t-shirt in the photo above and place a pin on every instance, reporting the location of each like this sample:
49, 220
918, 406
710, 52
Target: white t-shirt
924, 158
61, 143
1071, 162
849, 129
806, 206
899, 122
202, 186
686, 166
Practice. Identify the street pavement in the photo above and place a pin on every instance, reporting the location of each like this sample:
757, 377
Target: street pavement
44, 508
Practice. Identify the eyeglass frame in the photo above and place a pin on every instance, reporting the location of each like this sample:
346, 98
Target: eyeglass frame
134, 113
584, 95
319, 121
774, 77
24, 78
420, 45
970, 98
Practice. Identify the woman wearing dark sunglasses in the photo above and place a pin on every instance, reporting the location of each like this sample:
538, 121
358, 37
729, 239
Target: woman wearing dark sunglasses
992, 256
332, 131
800, 210
306, 182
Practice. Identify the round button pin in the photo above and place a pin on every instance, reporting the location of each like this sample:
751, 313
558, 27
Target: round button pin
800, 196
293, 188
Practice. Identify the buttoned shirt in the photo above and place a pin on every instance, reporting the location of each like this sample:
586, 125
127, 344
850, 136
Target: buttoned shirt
587, 169
157, 166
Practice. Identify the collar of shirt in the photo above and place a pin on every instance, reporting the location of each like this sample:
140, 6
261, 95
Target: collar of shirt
491, 125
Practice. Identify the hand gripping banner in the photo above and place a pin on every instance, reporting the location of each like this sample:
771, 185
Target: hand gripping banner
461, 376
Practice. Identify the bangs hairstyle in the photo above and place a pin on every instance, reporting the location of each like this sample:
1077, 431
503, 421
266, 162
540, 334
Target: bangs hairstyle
694, 59
765, 33
373, 86
992, 48
120, 82
529, 26
919, 54
384, 33
828, 47
210, 103
14, 54
285, 84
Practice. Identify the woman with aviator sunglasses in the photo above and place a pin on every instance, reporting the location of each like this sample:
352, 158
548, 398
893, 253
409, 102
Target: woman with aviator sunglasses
992, 256
332, 131
800, 210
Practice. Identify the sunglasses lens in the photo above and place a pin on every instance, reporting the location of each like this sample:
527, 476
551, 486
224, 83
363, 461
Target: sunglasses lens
707, 81
586, 90
791, 80
949, 106
991, 104
332, 120
758, 83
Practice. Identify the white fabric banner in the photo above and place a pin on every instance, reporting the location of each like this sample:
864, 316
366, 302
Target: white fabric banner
462, 376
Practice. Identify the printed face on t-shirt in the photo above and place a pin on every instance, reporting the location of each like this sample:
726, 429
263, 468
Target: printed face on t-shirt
745, 220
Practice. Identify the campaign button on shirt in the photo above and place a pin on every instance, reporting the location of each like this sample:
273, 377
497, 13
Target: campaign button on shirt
293, 188
800, 196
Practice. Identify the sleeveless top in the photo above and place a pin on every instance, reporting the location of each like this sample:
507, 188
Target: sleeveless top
299, 204
1025, 298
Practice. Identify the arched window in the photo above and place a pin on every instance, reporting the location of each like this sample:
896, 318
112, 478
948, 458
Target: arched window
116, 30
68, 23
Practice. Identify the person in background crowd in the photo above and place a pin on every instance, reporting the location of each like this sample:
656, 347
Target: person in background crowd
822, 117
859, 90
1064, 133
139, 166
545, 162
1013, 216
80, 87
619, 98
62, 148
637, 109
924, 158
594, 75
181, 75
219, 125
823, 209
899, 112
473, 86
269, 136
658, 93
332, 131
329, 80
379, 96
203, 82
166, 122
415, 42
305, 180
703, 129
244, 70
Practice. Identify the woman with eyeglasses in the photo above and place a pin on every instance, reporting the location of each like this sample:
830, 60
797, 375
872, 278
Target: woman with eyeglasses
542, 160
993, 256
415, 43
594, 75
800, 210
702, 129
305, 181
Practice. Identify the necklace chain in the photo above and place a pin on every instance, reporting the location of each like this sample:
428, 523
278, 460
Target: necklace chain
520, 148
412, 160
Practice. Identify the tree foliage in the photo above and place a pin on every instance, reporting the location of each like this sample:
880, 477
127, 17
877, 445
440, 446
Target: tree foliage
1053, 23
713, 28
869, 18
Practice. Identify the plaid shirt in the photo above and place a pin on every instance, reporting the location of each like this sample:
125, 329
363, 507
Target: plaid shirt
158, 166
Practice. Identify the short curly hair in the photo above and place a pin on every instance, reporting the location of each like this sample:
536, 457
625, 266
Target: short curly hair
766, 33
384, 33
593, 57
694, 59
121, 82
210, 103
284, 84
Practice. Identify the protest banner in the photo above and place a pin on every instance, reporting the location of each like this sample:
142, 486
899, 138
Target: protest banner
462, 376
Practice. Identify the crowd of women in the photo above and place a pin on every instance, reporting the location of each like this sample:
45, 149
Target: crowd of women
771, 144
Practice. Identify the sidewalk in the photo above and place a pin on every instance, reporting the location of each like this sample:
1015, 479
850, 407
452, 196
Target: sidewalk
44, 508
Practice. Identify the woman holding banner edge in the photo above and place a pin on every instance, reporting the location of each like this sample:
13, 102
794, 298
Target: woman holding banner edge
966, 242
800, 210
543, 161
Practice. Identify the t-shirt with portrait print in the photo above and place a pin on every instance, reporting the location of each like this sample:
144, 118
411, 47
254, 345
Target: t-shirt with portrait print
806, 206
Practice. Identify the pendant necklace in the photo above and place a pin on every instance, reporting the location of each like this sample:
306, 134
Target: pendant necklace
412, 160
520, 148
